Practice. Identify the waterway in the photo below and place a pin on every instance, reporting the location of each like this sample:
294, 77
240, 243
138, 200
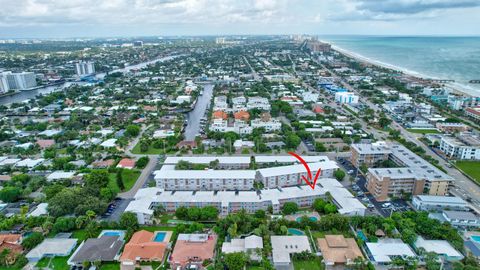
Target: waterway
23, 96
203, 102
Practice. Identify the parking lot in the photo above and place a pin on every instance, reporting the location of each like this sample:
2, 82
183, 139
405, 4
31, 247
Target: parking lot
359, 188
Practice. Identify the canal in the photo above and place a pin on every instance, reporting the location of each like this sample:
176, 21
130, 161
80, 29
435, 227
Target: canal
203, 102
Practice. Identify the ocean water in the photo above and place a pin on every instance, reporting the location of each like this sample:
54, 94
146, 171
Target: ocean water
452, 58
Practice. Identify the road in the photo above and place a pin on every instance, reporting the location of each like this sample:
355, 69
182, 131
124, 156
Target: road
142, 179
256, 77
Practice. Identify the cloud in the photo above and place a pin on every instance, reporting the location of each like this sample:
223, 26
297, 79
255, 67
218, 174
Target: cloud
153, 17
32, 12
391, 10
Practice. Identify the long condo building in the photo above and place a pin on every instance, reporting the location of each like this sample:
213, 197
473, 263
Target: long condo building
147, 199
235, 174
412, 175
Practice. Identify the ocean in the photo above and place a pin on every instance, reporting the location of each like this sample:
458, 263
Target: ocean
452, 58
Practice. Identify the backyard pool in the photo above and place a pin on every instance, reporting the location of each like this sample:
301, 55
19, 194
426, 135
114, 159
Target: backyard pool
295, 231
160, 237
119, 233
312, 218
475, 238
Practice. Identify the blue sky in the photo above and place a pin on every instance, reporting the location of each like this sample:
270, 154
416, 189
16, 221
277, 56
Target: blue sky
93, 18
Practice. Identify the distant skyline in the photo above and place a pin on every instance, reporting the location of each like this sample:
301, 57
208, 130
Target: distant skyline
91, 18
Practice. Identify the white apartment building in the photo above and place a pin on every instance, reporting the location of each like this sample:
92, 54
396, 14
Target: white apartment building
220, 103
239, 127
464, 147
227, 202
168, 178
270, 125
310, 96
84, 68
292, 175
346, 97
258, 103
17, 81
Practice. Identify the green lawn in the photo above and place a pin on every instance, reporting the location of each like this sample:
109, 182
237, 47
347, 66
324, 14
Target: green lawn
423, 131
472, 168
80, 235
129, 179
56, 263
307, 265
110, 266
254, 268
150, 151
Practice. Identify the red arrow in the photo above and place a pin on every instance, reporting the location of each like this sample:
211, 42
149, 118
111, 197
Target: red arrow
311, 182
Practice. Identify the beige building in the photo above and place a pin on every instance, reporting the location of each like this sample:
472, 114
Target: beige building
338, 250
414, 175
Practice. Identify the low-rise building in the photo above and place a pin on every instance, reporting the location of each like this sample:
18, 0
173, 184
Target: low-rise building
52, 247
448, 127
251, 245
439, 247
439, 203
227, 202
385, 250
292, 175
465, 147
338, 250
143, 247
458, 219
105, 248
191, 250
283, 247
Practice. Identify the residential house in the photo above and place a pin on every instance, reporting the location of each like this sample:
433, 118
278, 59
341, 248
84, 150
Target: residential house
192, 249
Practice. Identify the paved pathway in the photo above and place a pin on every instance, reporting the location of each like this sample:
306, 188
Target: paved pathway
142, 179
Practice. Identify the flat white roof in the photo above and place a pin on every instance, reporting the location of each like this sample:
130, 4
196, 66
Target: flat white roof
289, 159
441, 199
283, 170
283, 246
347, 203
53, 246
207, 159
168, 173
441, 247
29, 162
385, 248
40, 210
60, 175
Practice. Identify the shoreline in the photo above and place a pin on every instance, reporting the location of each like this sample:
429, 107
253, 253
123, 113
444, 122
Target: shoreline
456, 87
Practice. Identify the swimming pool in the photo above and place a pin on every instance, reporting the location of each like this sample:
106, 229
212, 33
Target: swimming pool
111, 234
119, 233
475, 238
295, 231
312, 218
159, 237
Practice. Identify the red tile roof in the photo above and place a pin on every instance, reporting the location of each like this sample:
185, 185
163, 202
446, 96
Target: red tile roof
219, 115
126, 163
242, 115
143, 247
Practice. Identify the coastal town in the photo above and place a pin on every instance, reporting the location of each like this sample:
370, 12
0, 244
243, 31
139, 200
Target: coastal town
176, 153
